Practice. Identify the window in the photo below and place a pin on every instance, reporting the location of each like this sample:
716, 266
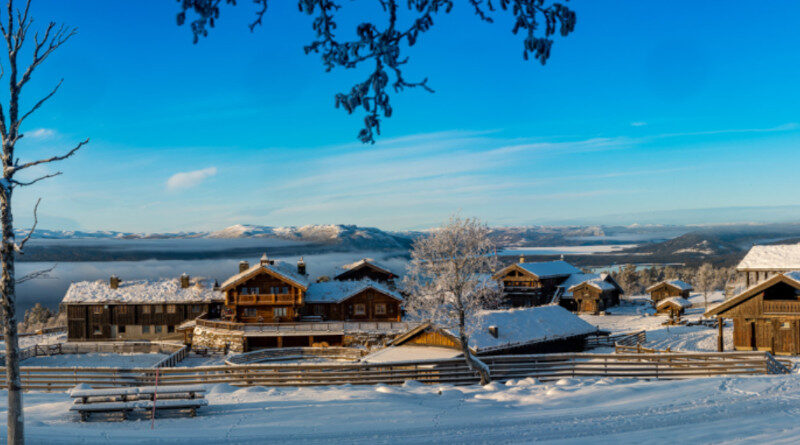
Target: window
380, 309
359, 309
97, 331
145, 329
171, 308
249, 312
121, 329
97, 310
170, 328
319, 310
786, 325
279, 312
158, 309
196, 308
285, 290
145, 309
122, 310
159, 329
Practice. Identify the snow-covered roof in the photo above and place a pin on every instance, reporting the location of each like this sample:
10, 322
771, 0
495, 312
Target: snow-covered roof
367, 262
791, 278
774, 257
593, 279
677, 301
526, 325
677, 284
280, 268
407, 353
547, 269
338, 291
141, 292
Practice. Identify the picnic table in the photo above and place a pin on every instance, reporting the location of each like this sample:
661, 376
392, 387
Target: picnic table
143, 398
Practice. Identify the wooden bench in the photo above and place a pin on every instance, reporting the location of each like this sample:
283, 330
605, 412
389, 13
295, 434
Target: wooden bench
127, 400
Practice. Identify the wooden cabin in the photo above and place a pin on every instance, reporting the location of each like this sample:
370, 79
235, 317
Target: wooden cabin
136, 310
673, 306
366, 269
269, 292
595, 295
669, 289
766, 316
533, 284
543, 329
352, 301
763, 262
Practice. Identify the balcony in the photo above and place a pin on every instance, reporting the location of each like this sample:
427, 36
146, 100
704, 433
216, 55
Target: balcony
267, 299
781, 307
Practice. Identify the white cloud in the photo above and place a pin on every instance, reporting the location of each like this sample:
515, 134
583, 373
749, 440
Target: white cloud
185, 180
40, 133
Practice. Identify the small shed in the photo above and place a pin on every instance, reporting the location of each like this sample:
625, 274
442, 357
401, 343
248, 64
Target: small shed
669, 289
673, 306
595, 294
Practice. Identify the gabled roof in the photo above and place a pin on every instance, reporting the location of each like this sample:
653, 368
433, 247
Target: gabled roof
338, 291
790, 278
774, 257
675, 284
544, 269
166, 291
598, 281
677, 301
365, 262
278, 269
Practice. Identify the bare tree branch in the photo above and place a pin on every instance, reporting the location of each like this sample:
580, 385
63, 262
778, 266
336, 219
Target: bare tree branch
18, 246
40, 102
50, 43
43, 273
14, 182
53, 159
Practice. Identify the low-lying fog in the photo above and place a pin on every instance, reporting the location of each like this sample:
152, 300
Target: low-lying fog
49, 291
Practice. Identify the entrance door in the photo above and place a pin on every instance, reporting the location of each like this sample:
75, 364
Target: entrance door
751, 327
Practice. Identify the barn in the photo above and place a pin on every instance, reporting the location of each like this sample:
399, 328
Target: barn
589, 293
541, 329
763, 262
366, 269
673, 306
669, 289
352, 300
766, 316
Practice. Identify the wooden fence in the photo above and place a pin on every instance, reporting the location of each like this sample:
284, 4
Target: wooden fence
452, 371
286, 354
627, 339
173, 359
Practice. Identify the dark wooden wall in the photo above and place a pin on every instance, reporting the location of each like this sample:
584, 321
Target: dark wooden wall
93, 322
346, 309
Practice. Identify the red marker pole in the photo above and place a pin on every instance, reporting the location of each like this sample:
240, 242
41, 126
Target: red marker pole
155, 397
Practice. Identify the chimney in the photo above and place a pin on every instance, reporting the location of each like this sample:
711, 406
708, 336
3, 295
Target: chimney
216, 285
184, 281
521, 259
301, 266
493, 331
243, 266
113, 282
264, 259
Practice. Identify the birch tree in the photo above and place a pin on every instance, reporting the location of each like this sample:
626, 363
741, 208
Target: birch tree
448, 281
706, 280
15, 27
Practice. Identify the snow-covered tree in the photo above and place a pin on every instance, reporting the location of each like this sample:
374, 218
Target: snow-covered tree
449, 281
15, 26
705, 281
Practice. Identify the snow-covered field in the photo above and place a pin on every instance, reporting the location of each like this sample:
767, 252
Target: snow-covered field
44, 339
637, 314
96, 360
622, 411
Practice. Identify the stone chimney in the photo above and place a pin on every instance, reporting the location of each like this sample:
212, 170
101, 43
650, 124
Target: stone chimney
113, 282
301, 266
184, 281
521, 259
243, 266
264, 259
493, 331
216, 285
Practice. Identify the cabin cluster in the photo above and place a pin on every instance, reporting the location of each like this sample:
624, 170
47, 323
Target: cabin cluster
558, 282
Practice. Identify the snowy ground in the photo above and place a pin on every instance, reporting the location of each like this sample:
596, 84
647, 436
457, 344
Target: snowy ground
44, 339
622, 411
637, 314
96, 360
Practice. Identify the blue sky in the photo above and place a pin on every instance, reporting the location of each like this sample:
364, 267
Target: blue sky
646, 108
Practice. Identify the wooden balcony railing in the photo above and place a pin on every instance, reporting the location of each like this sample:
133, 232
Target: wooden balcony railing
781, 307
267, 299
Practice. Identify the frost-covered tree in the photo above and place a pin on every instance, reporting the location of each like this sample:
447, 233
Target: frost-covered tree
383, 35
449, 281
705, 281
15, 26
